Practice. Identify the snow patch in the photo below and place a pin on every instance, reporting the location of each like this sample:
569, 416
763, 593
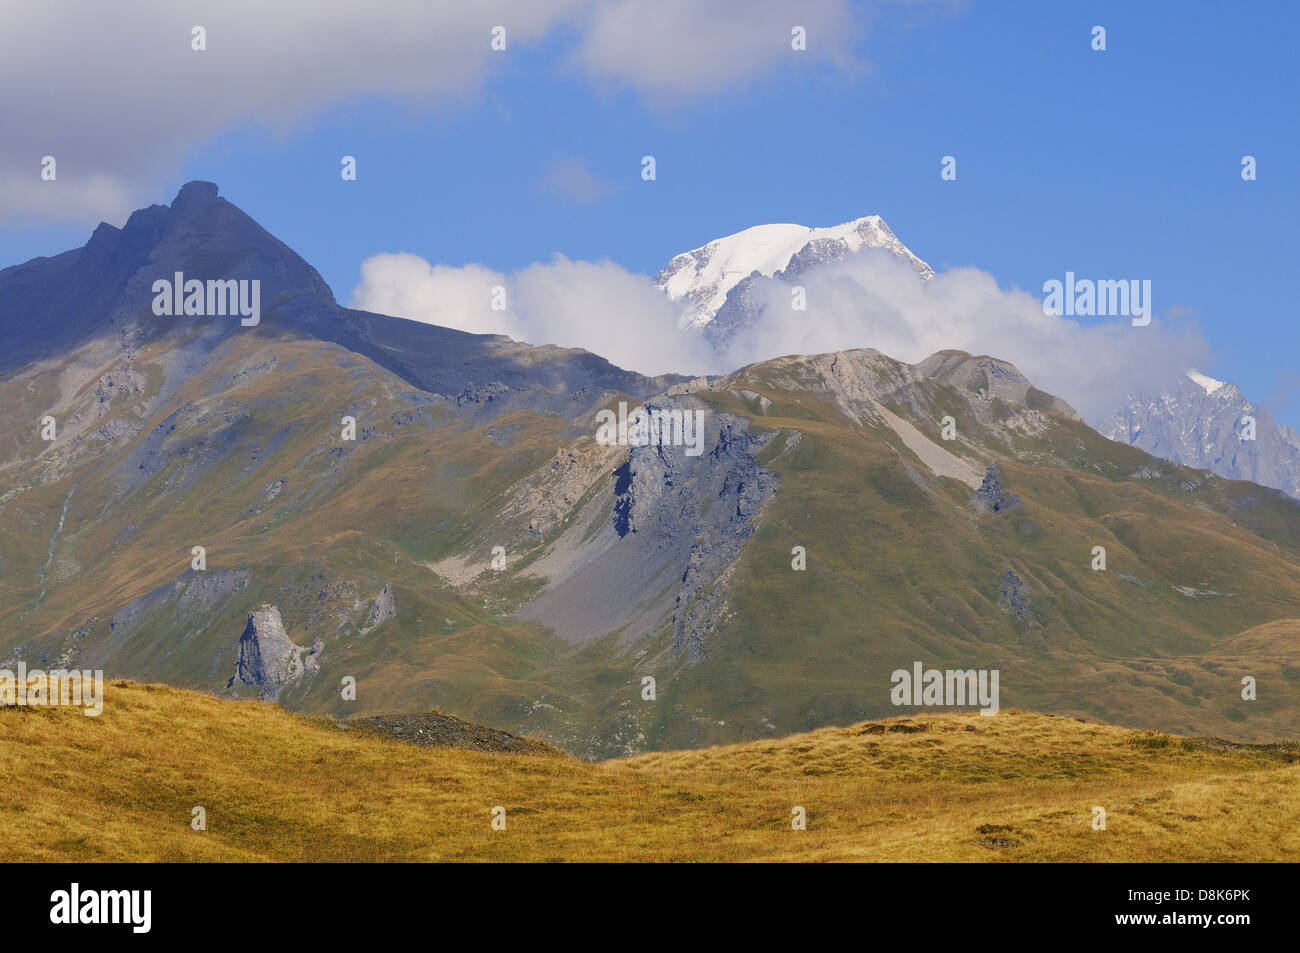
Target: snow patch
1207, 384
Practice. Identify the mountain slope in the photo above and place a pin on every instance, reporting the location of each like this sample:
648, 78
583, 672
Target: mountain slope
182, 432
907, 559
475, 548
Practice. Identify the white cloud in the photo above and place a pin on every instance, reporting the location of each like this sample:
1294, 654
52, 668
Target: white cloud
875, 300
407, 286
604, 308
100, 196
598, 306
868, 300
677, 49
116, 94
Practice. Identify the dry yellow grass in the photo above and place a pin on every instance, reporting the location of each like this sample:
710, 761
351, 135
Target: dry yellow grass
278, 786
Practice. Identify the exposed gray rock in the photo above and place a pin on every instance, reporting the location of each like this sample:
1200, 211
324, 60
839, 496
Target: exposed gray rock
745, 488
1013, 597
482, 393
547, 496
1199, 423
191, 593
661, 494
268, 658
1193, 593
206, 592
117, 428
992, 495
381, 610
664, 533
763, 402
985, 378
123, 382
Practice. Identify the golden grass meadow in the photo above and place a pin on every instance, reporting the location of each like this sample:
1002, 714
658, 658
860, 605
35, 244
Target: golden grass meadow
278, 786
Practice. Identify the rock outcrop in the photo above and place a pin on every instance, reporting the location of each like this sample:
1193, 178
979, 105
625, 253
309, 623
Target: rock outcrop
381, 610
1013, 597
666, 531
992, 495
268, 658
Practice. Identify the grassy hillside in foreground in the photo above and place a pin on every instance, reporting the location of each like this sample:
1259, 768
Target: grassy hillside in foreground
280, 786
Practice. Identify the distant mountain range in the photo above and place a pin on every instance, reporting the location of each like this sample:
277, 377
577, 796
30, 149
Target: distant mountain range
335, 495
1208, 424
1200, 424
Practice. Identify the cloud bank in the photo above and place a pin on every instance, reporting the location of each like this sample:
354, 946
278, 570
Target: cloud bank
116, 93
868, 300
875, 300
598, 306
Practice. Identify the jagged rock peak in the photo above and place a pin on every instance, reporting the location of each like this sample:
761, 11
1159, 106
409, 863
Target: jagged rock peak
193, 197
268, 658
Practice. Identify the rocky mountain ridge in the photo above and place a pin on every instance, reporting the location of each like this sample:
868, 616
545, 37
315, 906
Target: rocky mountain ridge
1211, 425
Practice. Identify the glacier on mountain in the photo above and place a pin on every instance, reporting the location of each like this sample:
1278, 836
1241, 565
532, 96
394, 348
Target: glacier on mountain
712, 282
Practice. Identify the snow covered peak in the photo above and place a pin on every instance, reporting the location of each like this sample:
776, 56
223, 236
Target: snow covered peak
705, 276
1207, 384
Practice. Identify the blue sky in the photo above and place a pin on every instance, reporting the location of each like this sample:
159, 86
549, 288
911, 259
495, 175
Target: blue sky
1116, 164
